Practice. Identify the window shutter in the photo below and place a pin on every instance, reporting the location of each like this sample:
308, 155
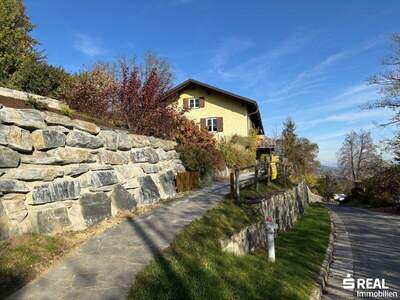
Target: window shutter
203, 123
201, 101
185, 103
220, 124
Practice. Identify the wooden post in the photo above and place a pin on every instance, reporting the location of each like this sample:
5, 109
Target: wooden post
232, 181
256, 176
237, 186
268, 166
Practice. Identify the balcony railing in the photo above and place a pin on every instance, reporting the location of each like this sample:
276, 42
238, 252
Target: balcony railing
264, 142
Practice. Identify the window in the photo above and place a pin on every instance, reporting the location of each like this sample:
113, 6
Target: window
194, 103
212, 124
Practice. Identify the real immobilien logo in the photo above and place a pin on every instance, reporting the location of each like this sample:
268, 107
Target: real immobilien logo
368, 287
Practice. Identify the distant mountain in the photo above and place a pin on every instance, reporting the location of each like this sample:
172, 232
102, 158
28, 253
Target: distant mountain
324, 169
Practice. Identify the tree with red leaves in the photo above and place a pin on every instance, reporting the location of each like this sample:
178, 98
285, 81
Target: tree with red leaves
143, 97
92, 92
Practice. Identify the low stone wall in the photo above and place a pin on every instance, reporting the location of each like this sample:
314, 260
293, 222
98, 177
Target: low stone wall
58, 173
285, 209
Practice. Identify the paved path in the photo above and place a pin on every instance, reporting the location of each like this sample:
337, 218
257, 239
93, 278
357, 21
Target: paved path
105, 266
367, 245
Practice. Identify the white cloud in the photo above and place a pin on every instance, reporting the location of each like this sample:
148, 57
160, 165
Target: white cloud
312, 78
253, 71
355, 96
349, 117
88, 45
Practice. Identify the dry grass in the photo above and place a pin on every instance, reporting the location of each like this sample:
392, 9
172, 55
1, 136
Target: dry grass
23, 258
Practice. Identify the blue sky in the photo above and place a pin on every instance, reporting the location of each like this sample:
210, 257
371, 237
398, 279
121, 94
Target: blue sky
306, 59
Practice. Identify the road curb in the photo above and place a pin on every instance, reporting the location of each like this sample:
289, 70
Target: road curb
320, 284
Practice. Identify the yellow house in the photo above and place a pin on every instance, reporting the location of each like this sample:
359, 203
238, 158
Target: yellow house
221, 112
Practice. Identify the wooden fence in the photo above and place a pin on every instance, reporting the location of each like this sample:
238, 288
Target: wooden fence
187, 181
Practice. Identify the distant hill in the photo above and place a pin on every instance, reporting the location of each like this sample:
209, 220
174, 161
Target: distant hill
323, 169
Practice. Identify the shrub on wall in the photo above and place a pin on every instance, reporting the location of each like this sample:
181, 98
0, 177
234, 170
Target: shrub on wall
197, 147
92, 92
143, 97
127, 94
239, 151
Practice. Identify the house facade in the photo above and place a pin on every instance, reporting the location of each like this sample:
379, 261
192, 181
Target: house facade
220, 112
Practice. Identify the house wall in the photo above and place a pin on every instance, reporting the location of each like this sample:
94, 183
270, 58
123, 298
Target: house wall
234, 113
59, 174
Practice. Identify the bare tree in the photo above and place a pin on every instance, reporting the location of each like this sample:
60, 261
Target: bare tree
358, 156
389, 82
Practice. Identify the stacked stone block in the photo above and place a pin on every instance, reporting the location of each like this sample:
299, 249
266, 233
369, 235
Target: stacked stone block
58, 173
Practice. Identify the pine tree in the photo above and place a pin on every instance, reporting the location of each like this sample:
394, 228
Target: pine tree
16, 45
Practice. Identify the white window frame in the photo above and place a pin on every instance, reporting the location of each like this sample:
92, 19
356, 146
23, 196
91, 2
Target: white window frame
212, 123
194, 103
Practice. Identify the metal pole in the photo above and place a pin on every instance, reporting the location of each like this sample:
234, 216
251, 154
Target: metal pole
232, 181
237, 186
256, 176
271, 246
271, 227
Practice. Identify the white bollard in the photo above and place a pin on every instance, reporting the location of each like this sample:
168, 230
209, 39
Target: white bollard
271, 227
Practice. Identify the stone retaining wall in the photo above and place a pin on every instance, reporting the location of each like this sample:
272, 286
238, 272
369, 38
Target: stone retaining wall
58, 173
285, 209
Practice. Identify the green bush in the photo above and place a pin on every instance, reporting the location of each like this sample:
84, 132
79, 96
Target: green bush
68, 111
239, 151
384, 188
38, 77
197, 158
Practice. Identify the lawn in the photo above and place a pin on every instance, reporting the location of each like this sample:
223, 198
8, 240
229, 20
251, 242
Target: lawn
194, 267
23, 257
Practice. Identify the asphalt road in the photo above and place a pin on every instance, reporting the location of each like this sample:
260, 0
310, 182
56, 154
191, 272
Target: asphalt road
369, 243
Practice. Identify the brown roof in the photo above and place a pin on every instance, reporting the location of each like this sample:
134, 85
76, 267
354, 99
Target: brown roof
251, 104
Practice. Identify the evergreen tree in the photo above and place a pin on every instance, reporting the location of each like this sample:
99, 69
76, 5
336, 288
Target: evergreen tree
16, 45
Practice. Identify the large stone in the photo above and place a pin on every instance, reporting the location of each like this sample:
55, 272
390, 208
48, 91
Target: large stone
144, 155
16, 138
128, 171
163, 144
52, 220
161, 154
9, 158
95, 207
58, 128
139, 141
171, 155
124, 142
25, 118
101, 167
131, 184
167, 181
41, 158
77, 138
150, 168
103, 178
121, 199
35, 173
56, 191
112, 158
52, 118
12, 186
86, 126
72, 156
168, 145
75, 170
14, 206
48, 139
109, 138
148, 190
